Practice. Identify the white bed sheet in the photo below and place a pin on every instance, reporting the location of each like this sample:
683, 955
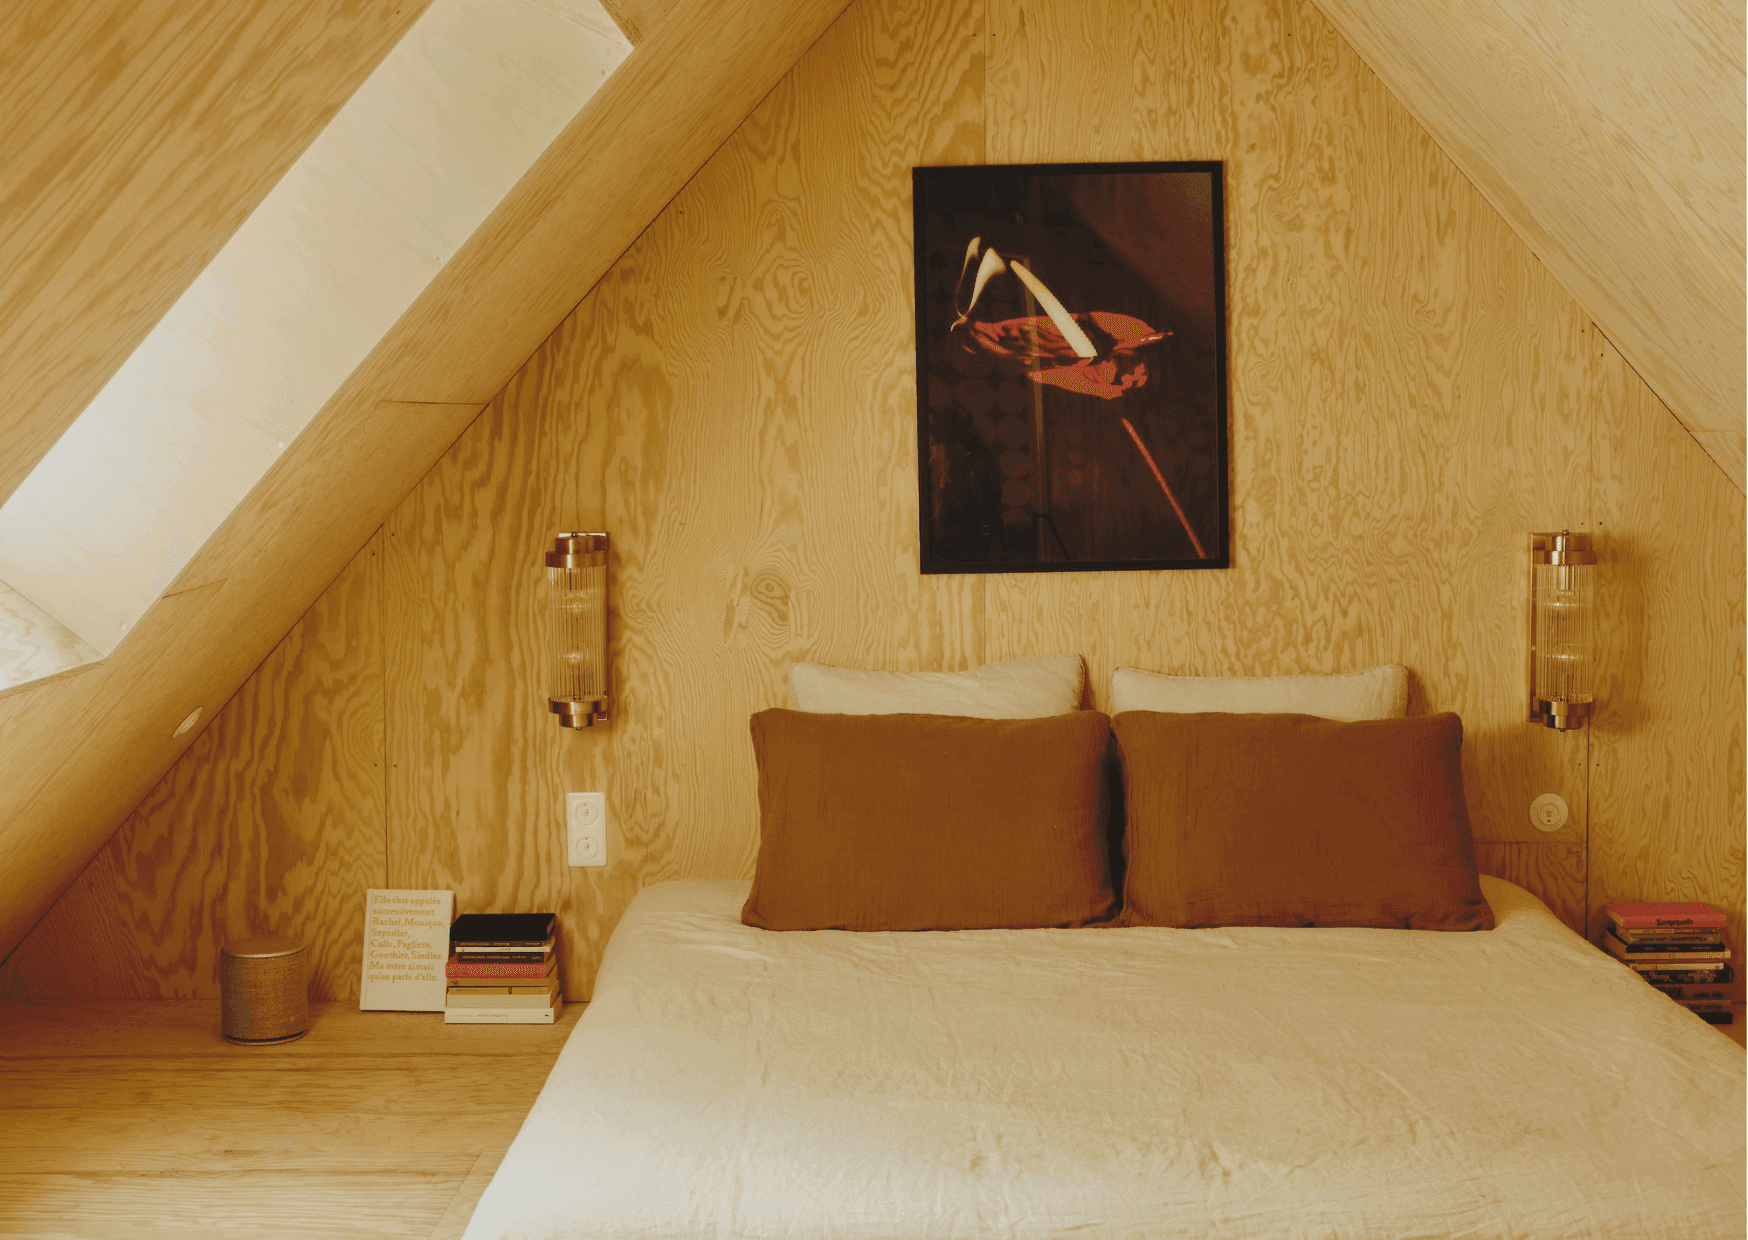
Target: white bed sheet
1390, 1084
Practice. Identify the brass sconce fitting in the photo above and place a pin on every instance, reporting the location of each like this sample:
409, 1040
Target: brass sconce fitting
576, 577
1562, 674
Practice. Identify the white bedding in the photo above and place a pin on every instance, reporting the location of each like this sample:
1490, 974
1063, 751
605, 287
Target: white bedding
1095, 1083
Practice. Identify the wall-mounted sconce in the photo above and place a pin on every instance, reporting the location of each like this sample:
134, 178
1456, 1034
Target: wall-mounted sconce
1562, 630
576, 578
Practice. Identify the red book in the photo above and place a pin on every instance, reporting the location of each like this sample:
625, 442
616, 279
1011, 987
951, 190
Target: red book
464, 968
1669, 916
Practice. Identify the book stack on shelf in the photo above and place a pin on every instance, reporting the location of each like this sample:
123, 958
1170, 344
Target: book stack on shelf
1679, 949
503, 970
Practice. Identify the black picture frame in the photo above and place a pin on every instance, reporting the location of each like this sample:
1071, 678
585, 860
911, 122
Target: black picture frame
1071, 389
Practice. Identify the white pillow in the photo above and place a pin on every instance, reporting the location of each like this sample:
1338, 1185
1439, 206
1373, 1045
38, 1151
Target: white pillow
1376, 693
1016, 689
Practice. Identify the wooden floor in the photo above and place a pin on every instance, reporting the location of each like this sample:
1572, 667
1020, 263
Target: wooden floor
132, 1120
129, 1119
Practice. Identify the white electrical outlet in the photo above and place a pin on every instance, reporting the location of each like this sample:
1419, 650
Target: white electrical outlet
1549, 811
585, 821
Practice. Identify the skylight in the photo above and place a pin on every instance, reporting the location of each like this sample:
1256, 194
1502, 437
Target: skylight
336, 252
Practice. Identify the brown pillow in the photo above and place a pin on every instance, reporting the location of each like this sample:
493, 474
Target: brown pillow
930, 822
1288, 820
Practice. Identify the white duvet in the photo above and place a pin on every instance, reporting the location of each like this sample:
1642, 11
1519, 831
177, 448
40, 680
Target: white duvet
1361, 1084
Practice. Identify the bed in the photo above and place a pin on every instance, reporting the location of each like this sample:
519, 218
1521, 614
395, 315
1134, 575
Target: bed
1360, 1083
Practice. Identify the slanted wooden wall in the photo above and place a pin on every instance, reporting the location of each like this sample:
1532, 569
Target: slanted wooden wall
1411, 394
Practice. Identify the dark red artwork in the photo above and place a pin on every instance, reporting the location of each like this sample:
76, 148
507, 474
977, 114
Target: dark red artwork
1068, 318
1110, 372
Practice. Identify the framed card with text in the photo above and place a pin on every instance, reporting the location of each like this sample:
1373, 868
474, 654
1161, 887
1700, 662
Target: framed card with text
406, 950
1071, 367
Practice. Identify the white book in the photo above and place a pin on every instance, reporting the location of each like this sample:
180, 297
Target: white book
499, 1016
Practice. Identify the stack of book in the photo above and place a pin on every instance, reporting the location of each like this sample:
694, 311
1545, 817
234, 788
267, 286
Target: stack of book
1679, 949
503, 970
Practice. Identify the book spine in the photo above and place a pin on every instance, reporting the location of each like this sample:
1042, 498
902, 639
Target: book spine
504, 999
505, 945
1669, 960
499, 1016
1684, 992
1649, 921
1664, 955
1664, 961
1672, 936
465, 969
502, 957
1677, 943
1704, 975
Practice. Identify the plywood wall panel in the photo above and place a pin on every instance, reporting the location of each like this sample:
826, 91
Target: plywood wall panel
271, 824
1610, 138
760, 472
1406, 383
1554, 870
475, 795
1411, 395
1666, 752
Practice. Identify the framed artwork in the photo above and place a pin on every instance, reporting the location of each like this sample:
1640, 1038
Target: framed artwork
1071, 367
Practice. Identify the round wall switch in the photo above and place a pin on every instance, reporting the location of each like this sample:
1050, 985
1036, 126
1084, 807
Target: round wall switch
1549, 811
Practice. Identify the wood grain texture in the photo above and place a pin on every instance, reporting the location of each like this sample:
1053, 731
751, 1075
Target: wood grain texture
194, 647
1667, 748
1405, 380
1412, 393
374, 1124
272, 823
1610, 137
33, 644
637, 19
139, 135
317, 275
1730, 450
475, 795
44, 727
570, 217
764, 483
1554, 870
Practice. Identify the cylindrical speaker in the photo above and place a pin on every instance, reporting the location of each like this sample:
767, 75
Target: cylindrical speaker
265, 987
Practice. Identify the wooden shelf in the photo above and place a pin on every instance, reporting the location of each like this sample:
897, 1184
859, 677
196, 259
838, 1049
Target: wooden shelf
132, 1119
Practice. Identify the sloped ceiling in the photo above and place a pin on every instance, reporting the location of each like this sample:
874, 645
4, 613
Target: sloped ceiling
1609, 135
335, 253
80, 751
135, 137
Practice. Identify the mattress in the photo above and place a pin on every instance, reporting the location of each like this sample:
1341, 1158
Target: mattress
1353, 1083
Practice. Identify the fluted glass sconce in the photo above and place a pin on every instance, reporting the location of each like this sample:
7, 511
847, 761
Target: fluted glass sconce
576, 578
1562, 629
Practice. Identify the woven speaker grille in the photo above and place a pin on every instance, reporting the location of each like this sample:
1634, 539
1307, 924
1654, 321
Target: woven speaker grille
265, 999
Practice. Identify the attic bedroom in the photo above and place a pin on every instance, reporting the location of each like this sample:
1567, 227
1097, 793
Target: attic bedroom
647, 267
